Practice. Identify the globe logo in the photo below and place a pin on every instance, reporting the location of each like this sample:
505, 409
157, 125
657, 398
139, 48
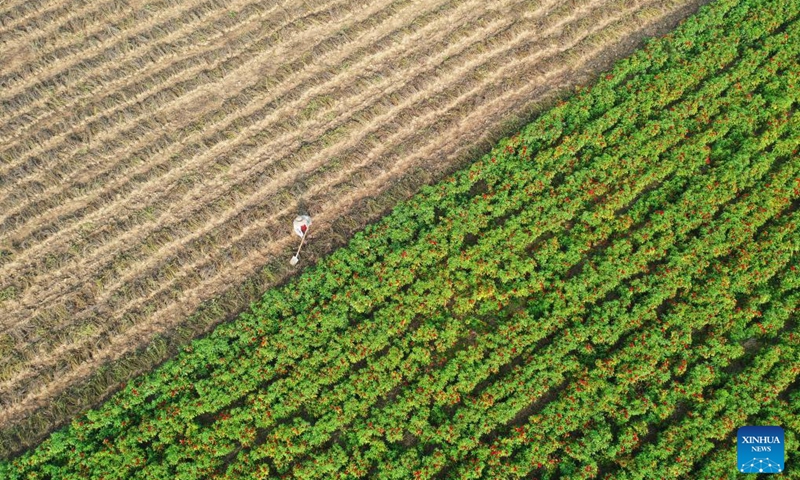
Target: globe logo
760, 449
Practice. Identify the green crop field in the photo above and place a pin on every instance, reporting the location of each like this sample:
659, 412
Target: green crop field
610, 293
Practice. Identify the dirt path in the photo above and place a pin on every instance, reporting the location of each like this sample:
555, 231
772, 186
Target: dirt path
141, 179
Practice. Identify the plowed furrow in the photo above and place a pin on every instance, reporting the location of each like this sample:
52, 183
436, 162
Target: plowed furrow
194, 38
125, 38
22, 16
188, 48
131, 56
65, 32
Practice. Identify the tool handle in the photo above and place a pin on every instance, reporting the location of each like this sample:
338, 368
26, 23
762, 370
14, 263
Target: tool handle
302, 241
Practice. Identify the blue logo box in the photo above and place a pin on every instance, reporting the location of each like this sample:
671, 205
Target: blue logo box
760, 450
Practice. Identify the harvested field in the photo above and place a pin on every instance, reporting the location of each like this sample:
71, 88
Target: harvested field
152, 154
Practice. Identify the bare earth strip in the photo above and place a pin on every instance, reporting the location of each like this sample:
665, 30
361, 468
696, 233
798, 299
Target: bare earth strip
146, 186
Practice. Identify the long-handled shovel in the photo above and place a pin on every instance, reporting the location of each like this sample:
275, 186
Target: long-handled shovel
296, 257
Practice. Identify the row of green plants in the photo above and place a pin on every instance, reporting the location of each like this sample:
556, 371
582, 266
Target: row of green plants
575, 302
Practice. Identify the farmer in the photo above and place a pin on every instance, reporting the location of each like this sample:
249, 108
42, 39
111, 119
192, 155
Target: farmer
301, 224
